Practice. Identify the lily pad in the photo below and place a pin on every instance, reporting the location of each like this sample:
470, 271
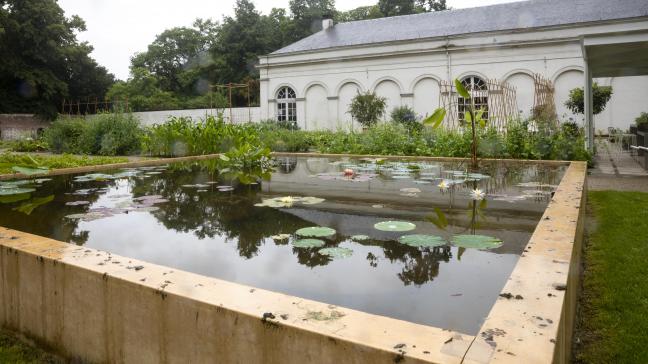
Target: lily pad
77, 203
311, 200
14, 198
308, 243
422, 241
394, 226
360, 237
9, 191
316, 232
29, 206
30, 170
476, 241
336, 252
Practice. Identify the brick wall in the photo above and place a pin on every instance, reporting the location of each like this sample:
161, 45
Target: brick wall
15, 126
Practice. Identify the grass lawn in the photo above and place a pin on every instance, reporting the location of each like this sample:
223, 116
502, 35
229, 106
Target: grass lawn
613, 325
8, 160
16, 351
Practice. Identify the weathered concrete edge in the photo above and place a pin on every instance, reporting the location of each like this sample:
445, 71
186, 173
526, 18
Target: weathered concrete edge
536, 327
90, 306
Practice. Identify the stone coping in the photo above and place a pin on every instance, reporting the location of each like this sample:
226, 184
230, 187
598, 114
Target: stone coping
534, 325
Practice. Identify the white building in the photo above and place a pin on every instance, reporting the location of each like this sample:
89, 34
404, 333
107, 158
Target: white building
405, 58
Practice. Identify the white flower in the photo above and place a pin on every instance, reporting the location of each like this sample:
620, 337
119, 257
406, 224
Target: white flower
287, 201
477, 194
443, 185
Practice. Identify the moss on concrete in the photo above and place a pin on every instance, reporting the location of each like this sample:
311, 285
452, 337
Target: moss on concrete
15, 350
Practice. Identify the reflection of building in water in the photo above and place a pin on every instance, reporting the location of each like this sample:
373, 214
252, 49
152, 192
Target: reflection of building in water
286, 165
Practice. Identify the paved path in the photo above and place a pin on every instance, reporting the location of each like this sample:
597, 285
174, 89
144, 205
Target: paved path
616, 170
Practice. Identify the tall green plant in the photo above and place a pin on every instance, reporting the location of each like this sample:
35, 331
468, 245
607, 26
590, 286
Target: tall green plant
600, 96
367, 108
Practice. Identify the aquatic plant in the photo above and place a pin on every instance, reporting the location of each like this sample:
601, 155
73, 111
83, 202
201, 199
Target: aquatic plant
308, 243
316, 232
336, 252
422, 241
396, 226
476, 242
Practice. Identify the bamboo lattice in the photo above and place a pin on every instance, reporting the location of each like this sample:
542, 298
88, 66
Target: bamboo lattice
500, 98
543, 100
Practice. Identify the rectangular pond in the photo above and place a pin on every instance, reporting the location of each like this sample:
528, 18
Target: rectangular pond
425, 242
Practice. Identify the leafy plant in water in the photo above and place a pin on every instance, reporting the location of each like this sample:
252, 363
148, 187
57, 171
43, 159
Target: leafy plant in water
422, 241
337, 252
247, 163
394, 226
29, 206
308, 243
476, 241
316, 231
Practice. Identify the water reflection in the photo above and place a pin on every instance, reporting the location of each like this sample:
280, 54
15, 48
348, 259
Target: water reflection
217, 231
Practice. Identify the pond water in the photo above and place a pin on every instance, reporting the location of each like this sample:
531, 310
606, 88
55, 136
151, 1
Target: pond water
403, 239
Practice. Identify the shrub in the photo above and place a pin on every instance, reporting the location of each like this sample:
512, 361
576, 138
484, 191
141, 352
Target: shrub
406, 116
64, 135
600, 95
367, 108
111, 134
642, 121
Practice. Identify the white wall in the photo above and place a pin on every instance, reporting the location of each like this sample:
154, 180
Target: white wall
627, 102
239, 115
408, 73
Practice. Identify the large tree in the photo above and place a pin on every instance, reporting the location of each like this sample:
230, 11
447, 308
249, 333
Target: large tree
42, 60
308, 15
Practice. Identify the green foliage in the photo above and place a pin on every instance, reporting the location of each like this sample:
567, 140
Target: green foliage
27, 144
600, 95
42, 60
183, 136
406, 116
103, 134
367, 108
642, 121
9, 160
247, 163
14, 350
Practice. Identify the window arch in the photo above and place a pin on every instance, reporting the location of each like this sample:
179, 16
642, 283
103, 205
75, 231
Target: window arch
478, 89
286, 104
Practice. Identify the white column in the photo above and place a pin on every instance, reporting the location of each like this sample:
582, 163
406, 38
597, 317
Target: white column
588, 101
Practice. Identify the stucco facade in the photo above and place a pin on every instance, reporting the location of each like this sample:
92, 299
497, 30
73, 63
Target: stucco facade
408, 72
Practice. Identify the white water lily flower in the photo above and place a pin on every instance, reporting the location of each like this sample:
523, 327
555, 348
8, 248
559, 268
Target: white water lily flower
287, 201
477, 194
444, 185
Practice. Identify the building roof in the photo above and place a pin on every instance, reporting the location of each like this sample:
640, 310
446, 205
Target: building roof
501, 17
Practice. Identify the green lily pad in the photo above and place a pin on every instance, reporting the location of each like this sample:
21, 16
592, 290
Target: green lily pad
422, 241
308, 243
29, 206
14, 198
311, 200
30, 170
476, 241
336, 252
316, 232
394, 226
15, 191
360, 237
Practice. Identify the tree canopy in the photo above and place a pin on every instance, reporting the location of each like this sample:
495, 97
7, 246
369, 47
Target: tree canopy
42, 60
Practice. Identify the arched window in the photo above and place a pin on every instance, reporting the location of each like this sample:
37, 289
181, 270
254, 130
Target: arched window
286, 104
479, 92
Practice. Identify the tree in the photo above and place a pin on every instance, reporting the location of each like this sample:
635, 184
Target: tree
359, 13
307, 16
42, 60
397, 7
179, 56
433, 5
367, 108
600, 95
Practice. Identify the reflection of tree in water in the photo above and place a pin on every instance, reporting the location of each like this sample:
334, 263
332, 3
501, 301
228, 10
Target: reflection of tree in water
207, 214
420, 265
311, 258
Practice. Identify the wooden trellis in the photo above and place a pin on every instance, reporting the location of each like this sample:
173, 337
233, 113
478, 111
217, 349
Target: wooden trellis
544, 104
499, 99
91, 106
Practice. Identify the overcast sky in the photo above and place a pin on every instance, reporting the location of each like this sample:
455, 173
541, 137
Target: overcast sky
119, 28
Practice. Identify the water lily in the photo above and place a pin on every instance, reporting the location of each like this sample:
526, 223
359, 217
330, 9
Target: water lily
443, 185
349, 172
477, 194
287, 201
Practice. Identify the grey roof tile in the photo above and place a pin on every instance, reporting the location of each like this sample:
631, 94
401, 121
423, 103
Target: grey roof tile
510, 16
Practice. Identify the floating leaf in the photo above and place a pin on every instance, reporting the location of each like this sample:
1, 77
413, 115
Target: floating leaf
422, 241
28, 207
8, 191
30, 170
476, 241
316, 231
336, 252
308, 243
395, 226
311, 200
14, 198
360, 237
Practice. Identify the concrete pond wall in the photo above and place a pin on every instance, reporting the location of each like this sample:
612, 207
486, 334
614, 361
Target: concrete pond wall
97, 307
